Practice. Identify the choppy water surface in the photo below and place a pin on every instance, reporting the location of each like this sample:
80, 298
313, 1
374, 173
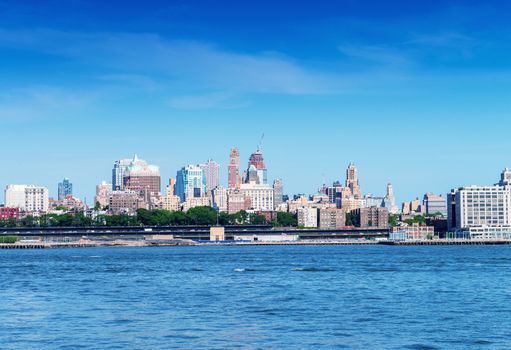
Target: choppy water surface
290, 297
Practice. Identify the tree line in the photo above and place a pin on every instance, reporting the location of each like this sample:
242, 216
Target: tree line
155, 217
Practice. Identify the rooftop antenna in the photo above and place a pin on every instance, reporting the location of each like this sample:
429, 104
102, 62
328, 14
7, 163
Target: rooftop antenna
260, 146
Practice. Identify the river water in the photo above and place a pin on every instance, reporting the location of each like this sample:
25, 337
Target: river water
257, 297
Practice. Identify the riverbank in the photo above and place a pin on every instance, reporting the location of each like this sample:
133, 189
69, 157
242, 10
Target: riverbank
177, 242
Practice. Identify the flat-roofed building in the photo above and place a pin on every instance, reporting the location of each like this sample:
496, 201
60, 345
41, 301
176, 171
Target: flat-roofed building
434, 204
28, 198
481, 211
372, 217
332, 218
125, 202
307, 217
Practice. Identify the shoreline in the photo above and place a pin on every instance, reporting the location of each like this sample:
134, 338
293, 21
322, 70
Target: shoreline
189, 243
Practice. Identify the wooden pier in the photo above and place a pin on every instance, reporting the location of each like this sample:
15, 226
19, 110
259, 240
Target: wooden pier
44, 245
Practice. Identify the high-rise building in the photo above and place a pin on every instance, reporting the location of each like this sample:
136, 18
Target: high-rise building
120, 167
28, 198
234, 176
65, 189
256, 170
190, 182
278, 189
211, 171
334, 193
390, 200
352, 181
434, 204
482, 211
143, 178
103, 193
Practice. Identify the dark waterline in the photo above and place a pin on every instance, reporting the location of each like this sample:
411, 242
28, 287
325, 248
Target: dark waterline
282, 297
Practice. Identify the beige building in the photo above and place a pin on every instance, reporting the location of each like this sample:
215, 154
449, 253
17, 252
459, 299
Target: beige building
171, 202
236, 201
125, 202
196, 202
416, 231
217, 234
103, 193
304, 202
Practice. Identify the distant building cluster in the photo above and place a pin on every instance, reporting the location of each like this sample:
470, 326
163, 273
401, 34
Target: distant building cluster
476, 211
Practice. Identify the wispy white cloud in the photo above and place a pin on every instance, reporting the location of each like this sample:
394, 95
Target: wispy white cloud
221, 100
182, 61
38, 101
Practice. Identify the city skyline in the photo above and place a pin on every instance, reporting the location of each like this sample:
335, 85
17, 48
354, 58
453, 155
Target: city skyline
416, 94
223, 174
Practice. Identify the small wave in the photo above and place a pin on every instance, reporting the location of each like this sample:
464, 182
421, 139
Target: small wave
482, 342
382, 270
245, 270
421, 347
313, 269
94, 256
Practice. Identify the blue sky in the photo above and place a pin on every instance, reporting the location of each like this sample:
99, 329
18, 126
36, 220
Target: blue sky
415, 93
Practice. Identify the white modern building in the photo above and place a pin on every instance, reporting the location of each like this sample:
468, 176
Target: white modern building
28, 198
307, 217
481, 211
260, 196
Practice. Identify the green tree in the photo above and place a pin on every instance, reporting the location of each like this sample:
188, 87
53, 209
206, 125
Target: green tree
202, 216
393, 220
286, 219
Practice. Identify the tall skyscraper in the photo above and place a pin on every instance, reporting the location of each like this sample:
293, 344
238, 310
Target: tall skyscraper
390, 201
212, 174
234, 176
65, 189
143, 178
190, 182
278, 189
352, 181
256, 164
118, 171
